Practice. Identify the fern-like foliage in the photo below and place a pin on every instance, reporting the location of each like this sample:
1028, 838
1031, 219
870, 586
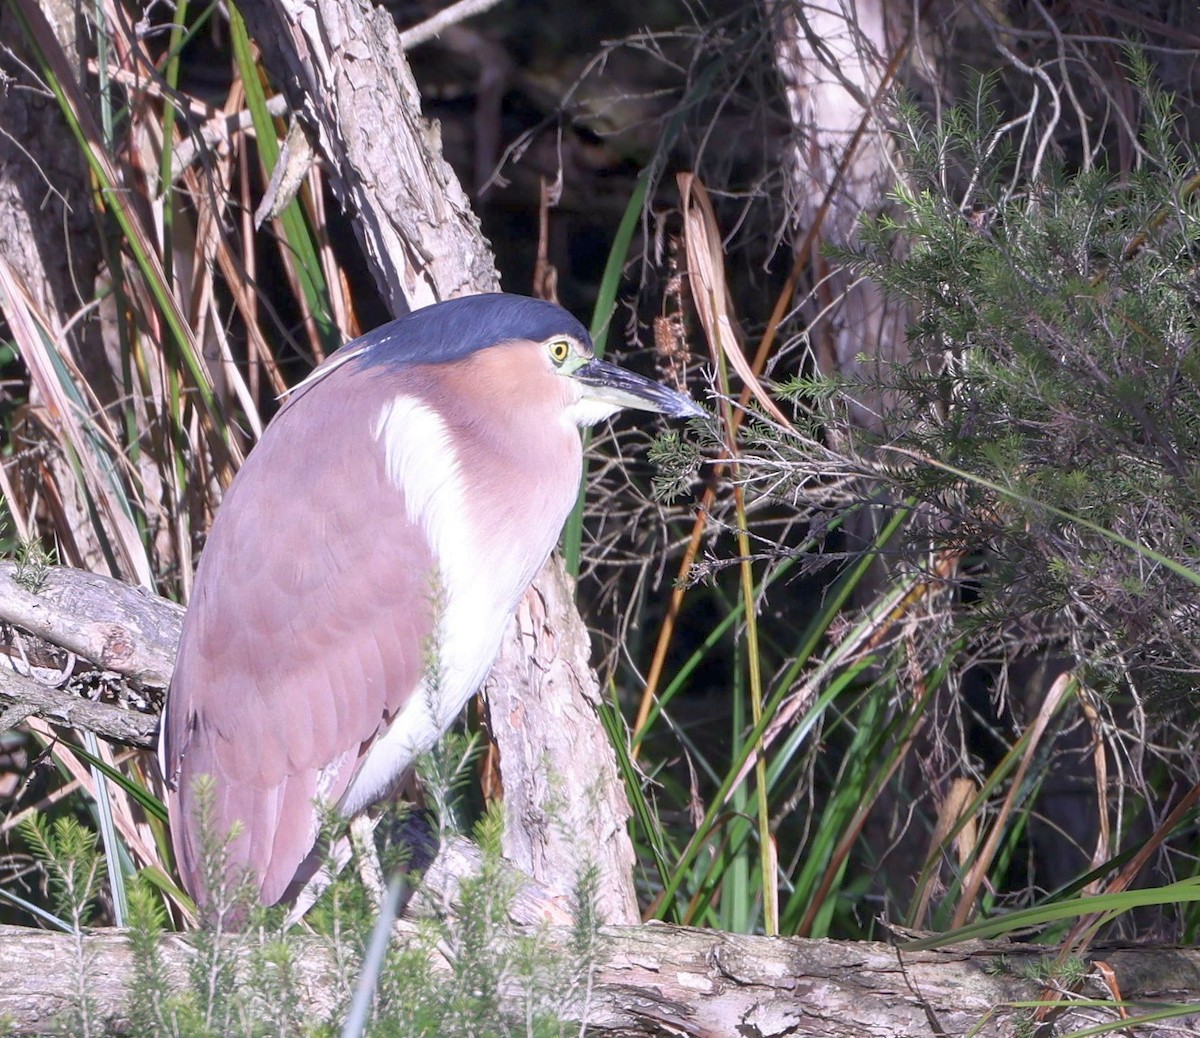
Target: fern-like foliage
469, 971
474, 973
1048, 424
75, 871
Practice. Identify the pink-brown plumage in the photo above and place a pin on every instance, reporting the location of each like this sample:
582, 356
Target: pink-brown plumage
400, 502
310, 619
303, 637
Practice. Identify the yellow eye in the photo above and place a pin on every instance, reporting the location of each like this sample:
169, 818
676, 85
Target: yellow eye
560, 350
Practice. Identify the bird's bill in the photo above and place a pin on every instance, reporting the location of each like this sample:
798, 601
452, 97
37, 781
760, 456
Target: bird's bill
608, 384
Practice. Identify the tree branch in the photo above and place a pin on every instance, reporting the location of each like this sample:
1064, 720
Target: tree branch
673, 980
116, 627
23, 697
436, 24
106, 622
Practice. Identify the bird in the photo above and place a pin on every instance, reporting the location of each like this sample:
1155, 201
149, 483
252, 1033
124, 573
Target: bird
404, 497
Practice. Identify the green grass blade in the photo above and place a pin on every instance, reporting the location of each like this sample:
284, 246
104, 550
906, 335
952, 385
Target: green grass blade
114, 851
295, 229
1182, 892
606, 304
643, 813
666, 902
36, 911
146, 800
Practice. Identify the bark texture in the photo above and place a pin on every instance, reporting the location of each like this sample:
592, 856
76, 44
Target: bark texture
24, 697
556, 764
665, 980
343, 68
120, 630
833, 60
111, 624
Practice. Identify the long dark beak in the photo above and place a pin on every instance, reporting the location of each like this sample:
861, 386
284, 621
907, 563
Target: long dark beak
608, 384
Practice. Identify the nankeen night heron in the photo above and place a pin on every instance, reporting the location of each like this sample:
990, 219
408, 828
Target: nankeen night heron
420, 477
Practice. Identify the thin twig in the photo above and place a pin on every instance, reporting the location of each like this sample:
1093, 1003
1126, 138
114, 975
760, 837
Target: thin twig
425, 31
22, 697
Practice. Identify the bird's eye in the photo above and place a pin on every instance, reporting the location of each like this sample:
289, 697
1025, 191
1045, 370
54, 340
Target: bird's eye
560, 350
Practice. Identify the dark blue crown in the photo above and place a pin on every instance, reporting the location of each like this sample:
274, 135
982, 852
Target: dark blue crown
458, 327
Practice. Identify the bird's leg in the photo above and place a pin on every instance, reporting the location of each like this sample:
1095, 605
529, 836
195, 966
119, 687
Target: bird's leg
336, 860
359, 843
362, 838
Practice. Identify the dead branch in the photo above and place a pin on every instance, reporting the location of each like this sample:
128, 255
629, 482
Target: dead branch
109, 623
437, 24
116, 627
22, 697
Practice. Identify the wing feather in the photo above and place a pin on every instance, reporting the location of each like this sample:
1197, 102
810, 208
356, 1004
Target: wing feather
306, 631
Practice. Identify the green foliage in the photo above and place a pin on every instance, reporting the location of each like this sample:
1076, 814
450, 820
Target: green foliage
1042, 441
811, 389
1067, 973
75, 871
445, 772
74, 868
469, 972
1054, 378
675, 460
33, 564
239, 983
150, 1001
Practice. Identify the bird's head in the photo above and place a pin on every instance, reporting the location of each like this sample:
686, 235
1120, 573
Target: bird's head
598, 390
516, 352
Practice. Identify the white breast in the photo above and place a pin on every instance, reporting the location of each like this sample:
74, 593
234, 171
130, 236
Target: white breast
473, 596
